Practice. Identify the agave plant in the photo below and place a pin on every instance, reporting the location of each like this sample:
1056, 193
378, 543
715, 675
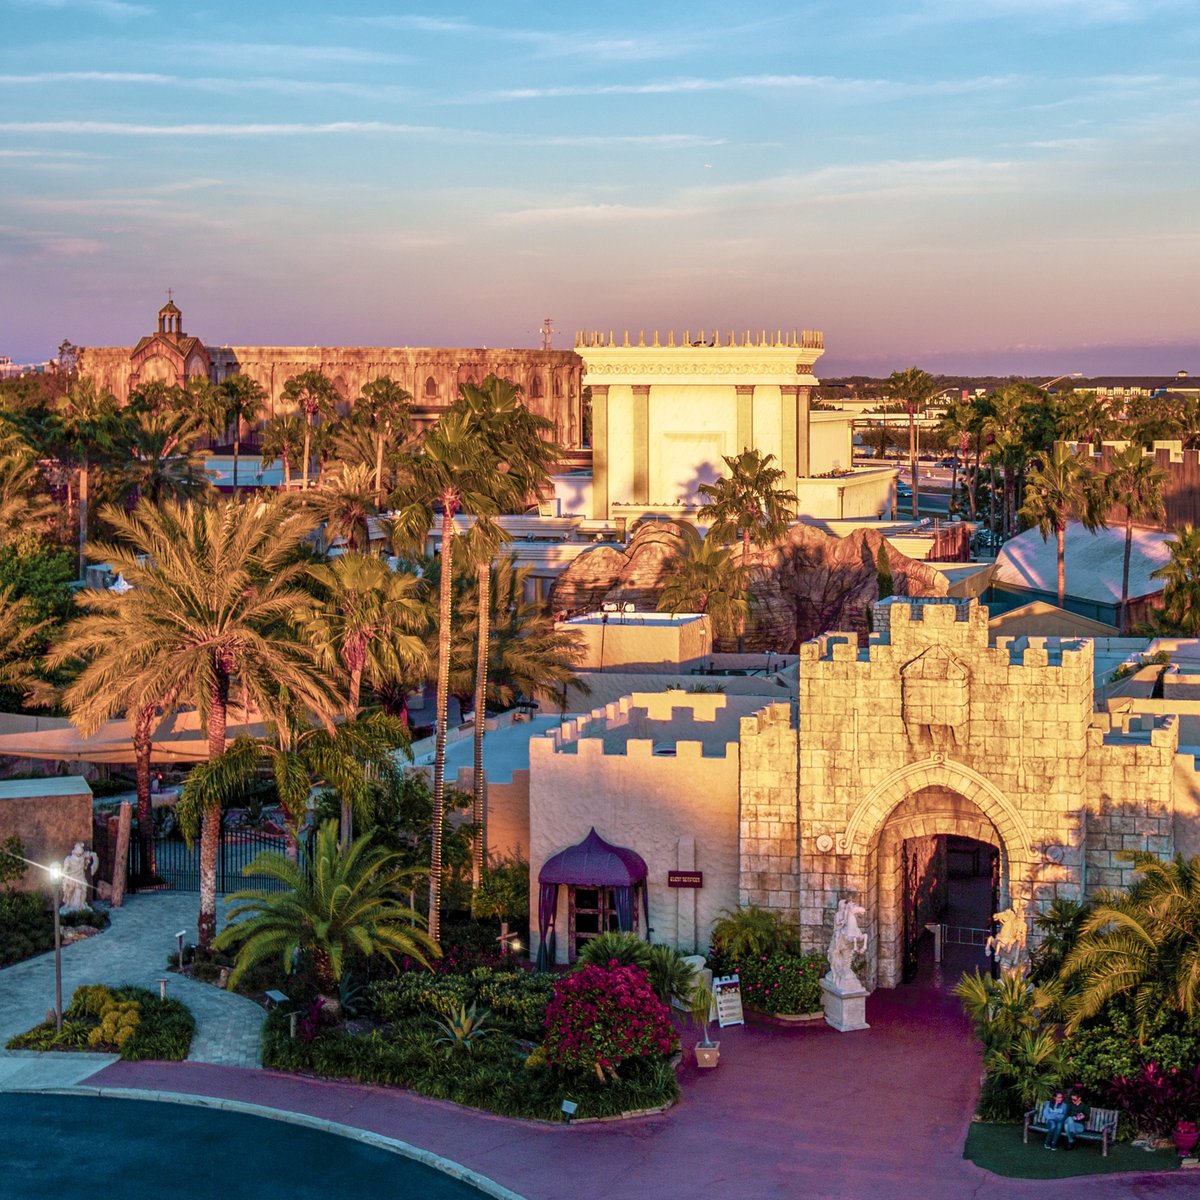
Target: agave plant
464, 1027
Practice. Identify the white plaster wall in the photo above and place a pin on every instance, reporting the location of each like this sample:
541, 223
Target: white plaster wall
629, 646
620, 442
829, 444
647, 804
690, 428
768, 421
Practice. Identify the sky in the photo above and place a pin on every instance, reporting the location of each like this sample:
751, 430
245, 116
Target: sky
966, 185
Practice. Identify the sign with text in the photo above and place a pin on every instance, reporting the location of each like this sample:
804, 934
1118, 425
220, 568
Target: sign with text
727, 990
685, 879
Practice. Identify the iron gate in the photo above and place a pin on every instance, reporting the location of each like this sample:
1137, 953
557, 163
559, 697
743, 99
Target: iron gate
177, 866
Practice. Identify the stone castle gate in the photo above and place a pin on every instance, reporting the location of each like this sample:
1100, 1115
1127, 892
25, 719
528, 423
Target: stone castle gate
929, 730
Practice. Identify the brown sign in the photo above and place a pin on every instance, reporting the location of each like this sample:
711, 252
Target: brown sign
685, 879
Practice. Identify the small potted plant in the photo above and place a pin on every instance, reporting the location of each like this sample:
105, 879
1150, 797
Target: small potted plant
708, 1052
1186, 1136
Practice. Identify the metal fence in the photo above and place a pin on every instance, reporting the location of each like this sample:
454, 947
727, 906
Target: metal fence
176, 865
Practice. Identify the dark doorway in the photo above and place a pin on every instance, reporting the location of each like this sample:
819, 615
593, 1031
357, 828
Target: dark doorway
953, 882
593, 911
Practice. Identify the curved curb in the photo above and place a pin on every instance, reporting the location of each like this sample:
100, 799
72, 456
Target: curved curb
378, 1141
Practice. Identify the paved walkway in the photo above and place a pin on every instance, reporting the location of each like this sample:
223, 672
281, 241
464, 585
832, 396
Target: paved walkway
789, 1113
134, 950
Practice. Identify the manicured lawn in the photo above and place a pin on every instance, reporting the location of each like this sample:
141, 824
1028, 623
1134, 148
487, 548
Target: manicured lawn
76, 1146
999, 1149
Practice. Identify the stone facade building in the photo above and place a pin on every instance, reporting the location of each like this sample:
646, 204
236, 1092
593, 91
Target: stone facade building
926, 731
551, 379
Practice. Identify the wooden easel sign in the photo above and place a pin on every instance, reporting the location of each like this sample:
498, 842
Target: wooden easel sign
727, 989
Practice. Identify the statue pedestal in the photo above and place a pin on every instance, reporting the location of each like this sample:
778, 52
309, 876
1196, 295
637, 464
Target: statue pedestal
845, 1007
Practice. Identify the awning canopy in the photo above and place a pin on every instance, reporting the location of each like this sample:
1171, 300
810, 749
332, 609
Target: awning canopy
594, 863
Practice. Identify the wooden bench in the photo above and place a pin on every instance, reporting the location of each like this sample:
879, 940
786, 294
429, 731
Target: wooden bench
1101, 1126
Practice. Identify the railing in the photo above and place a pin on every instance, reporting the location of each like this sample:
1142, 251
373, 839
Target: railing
177, 866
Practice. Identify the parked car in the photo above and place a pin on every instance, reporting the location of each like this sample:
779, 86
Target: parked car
948, 462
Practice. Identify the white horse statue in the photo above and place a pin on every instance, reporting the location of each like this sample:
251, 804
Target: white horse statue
848, 939
1007, 945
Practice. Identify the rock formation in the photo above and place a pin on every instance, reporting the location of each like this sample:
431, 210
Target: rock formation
804, 584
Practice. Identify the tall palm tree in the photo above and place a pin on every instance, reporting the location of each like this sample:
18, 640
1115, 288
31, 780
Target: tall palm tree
1085, 417
364, 622
1055, 490
703, 576
313, 394
21, 640
340, 902
913, 388
25, 508
1181, 592
344, 502
956, 427
243, 401
283, 436
383, 408
453, 472
161, 461
523, 455
213, 590
1145, 944
748, 503
1135, 481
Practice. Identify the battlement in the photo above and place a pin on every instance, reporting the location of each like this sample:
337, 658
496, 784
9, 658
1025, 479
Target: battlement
800, 339
1135, 729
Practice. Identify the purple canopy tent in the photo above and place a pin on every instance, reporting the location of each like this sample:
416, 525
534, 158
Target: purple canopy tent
592, 863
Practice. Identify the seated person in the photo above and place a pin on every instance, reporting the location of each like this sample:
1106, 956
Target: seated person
1054, 1117
1077, 1116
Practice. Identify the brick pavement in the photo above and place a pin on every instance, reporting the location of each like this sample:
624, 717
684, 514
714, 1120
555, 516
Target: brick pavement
134, 950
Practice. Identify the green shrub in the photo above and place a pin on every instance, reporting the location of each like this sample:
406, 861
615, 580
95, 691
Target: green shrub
26, 926
617, 945
751, 932
494, 1077
671, 976
783, 983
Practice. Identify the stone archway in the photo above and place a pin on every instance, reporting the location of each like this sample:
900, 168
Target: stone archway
913, 827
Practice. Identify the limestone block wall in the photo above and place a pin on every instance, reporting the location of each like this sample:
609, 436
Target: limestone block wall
678, 811
1131, 794
49, 816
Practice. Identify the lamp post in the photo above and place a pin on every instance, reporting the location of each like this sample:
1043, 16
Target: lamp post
55, 873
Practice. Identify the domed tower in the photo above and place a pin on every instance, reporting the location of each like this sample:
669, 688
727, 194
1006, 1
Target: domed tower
168, 355
170, 320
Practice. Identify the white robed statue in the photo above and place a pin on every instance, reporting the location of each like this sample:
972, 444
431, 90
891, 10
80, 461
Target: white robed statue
75, 869
848, 939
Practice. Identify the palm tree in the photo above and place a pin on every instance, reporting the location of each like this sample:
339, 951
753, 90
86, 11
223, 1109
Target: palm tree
523, 455
956, 427
1144, 945
1181, 593
1054, 490
1004, 429
1085, 417
86, 426
383, 408
337, 903
703, 576
453, 472
25, 509
243, 401
213, 590
21, 639
1136, 482
314, 394
161, 462
363, 623
344, 502
913, 388
283, 435
748, 503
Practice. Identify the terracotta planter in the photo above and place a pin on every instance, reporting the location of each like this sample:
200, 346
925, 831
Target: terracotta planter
1185, 1143
708, 1056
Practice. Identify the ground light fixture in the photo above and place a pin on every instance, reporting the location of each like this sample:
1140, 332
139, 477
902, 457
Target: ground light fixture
179, 941
568, 1110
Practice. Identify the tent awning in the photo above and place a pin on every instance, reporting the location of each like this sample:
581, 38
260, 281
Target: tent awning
594, 863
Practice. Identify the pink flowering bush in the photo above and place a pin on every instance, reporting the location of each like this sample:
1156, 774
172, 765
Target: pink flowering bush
602, 1016
782, 983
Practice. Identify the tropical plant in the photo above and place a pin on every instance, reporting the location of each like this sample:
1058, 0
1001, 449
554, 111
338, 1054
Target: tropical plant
282, 438
1144, 945
314, 395
1059, 925
335, 903
344, 502
242, 401
463, 1029
602, 1017
617, 945
160, 461
782, 983
700, 1004
1085, 416
212, 589
752, 932
1180, 613
1159, 1100
1136, 482
671, 976
21, 638
26, 511
703, 576
912, 389
1055, 490
503, 893
748, 503
382, 408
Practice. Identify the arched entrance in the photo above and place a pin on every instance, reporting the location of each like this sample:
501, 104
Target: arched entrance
937, 860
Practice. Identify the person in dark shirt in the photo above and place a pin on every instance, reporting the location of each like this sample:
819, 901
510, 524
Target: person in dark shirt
1077, 1117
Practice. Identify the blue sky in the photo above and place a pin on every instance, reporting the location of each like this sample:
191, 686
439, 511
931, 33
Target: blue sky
987, 185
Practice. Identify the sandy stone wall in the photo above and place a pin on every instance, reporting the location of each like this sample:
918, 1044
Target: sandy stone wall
47, 824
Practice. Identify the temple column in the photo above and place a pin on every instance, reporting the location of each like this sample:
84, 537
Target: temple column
641, 443
745, 417
600, 451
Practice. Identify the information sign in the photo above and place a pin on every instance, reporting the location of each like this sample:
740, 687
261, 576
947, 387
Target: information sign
727, 990
685, 879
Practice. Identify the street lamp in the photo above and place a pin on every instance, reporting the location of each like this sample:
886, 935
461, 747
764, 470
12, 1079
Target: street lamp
55, 873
